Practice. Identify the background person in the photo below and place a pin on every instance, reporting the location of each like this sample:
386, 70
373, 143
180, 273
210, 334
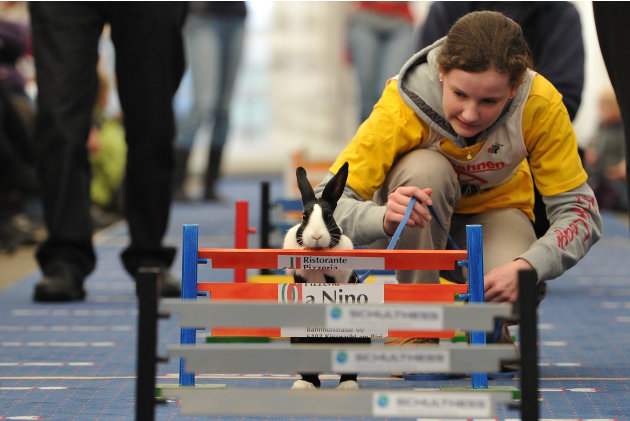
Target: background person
149, 66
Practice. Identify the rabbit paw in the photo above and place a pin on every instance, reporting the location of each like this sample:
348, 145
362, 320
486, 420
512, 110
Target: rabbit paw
303, 385
348, 385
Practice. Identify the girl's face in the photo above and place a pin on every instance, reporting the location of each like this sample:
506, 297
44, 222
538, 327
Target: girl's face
473, 101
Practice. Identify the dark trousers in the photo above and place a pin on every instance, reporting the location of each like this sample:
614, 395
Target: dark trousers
149, 65
611, 22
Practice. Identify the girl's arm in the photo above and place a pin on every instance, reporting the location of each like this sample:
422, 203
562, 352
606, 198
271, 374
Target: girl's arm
575, 225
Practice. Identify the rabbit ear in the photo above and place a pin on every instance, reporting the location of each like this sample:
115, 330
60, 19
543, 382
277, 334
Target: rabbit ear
334, 187
308, 195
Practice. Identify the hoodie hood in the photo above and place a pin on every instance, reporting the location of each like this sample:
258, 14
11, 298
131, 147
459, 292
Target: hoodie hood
420, 88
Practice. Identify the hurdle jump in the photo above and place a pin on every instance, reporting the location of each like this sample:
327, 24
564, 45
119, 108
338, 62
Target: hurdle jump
208, 313
242, 259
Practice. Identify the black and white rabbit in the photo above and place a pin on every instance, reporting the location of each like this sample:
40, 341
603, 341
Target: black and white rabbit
318, 231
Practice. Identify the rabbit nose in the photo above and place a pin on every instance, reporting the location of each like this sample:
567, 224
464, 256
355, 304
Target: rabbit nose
316, 236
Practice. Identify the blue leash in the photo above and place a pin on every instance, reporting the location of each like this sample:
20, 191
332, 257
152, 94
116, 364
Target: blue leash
401, 226
450, 239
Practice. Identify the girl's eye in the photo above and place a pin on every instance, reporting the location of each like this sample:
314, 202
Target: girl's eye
490, 101
459, 94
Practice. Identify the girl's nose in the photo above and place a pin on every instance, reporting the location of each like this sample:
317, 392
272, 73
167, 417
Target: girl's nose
470, 113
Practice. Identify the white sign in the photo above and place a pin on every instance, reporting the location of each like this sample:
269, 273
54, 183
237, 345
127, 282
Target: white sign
329, 262
333, 294
432, 404
405, 317
418, 361
343, 293
333, 332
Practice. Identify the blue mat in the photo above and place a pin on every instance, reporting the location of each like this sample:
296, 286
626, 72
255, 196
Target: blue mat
77, 361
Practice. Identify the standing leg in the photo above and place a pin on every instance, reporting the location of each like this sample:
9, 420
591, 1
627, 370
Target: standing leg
65, 45
396, 48
149, 66
229, 32
363, 40
197, 39
612, 30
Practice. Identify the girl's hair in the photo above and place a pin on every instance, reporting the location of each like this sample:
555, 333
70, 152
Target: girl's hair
485, 40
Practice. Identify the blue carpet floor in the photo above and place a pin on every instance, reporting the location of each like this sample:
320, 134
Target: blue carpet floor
77, 361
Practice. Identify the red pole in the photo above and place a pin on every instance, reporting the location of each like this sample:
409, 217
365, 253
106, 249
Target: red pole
241, 230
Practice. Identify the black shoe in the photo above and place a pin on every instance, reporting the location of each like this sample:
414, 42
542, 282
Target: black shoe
60, 283
171, 287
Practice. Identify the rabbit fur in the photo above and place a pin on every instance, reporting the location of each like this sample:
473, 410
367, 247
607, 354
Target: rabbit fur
319, 231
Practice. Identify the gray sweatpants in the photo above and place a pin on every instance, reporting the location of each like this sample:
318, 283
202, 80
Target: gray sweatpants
506, 232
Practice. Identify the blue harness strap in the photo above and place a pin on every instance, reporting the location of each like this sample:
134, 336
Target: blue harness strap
401, 226
450, 239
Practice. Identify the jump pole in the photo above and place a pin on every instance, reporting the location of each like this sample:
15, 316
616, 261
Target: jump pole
241, 231
474, 244
190, 261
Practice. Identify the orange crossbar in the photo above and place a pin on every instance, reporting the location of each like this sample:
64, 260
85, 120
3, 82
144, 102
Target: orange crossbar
393, 293
393, 259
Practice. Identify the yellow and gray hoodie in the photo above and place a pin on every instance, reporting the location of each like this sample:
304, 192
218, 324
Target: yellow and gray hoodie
532, 137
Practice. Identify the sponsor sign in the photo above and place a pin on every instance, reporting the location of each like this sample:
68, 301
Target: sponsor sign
333, 294
431, 404
329, 262
418, 361
333, 332
406, 317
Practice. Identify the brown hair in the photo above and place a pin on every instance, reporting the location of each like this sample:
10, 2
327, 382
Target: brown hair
485, 40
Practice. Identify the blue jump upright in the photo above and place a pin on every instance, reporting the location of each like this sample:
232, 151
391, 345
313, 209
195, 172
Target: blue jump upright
474, 244
190, 246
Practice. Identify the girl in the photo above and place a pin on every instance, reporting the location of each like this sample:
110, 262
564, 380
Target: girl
464, 127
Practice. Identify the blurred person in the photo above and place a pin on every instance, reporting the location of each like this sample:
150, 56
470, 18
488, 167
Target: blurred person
554, 33
19, 198
19, 192
612, 31
108, 157
149, 65
380, 38
605, 156
214, 34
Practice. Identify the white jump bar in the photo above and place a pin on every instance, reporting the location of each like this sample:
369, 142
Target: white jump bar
286, 358
208, 314
356, 403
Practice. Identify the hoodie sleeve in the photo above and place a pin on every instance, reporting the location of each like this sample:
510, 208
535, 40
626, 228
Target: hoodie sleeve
572, 211
575, 225
360, 219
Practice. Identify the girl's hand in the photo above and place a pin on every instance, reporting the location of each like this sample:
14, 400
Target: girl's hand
397, 203
501, 283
